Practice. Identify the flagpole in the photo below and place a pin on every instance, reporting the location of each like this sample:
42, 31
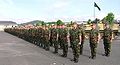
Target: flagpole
94, 11
95, 16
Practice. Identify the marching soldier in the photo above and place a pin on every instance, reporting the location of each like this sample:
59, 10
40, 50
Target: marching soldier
59, 37
107, 40
46, 38
51, 34
94, 39
64, 40
82, 39
54, 35
75, 40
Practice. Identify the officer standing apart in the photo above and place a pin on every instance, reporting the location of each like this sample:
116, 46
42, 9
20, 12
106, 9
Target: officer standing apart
107, 39
94, 40
75, 39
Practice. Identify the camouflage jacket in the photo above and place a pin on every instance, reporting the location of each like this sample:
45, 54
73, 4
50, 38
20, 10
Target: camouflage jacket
54, 33
46, 34
74, 34
107, 34
94, 35
63, 34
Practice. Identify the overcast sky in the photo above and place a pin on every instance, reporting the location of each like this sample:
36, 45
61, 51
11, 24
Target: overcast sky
51, 10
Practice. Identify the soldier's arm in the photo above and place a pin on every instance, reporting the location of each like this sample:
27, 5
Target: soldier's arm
98, 37
68, 36
57, 34
49, 34
112, 37
80, 38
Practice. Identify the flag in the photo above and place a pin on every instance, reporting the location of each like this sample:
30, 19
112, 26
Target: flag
95, 5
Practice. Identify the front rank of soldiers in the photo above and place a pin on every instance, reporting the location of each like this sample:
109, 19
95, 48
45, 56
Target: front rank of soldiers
59, 37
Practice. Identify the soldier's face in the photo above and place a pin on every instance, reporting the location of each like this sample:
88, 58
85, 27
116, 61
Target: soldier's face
93, 26
107, 26
75, 25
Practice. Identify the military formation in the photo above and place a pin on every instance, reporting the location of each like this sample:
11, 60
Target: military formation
63, 37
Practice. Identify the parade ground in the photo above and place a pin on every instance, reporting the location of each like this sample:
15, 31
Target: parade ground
15, 51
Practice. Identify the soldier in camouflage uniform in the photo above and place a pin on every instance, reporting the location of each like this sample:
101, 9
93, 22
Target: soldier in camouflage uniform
64, 40
82, 38
54, 37
59, 38
107, 39
51, 28
75, 40
94, 38
46, 38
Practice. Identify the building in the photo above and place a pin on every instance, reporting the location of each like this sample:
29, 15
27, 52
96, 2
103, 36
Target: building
6, 24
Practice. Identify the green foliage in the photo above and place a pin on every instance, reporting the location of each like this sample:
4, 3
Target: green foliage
38, 24
89, 21
50, 23
109, 18
59, 22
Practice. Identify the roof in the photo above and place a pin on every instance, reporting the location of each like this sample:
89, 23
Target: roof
7, 23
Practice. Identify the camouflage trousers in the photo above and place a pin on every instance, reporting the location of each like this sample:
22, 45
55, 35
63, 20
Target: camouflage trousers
107, 47
56, 45
76, 49
47, 45
93, 47
64, 47
81, 47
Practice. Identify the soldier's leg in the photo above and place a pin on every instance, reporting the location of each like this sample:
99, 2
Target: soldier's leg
108, 49
56, 47
81, 48
65, 49
47, 46
61, 44
77, 51
105, 48
92, 50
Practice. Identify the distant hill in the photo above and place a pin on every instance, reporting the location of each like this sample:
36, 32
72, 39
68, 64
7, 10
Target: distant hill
7, 22
32, 22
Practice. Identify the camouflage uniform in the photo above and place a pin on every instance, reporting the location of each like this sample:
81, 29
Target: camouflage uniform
42, 38
107, 37
82, 40
63, 41
55, 39
93, 42
51, 34
46, 39
59, 38
74, 40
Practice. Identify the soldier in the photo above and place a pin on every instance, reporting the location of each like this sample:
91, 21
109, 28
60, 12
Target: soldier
94, 39
54, 35
75, 40
59, 38
107, 40
46, 38
82, 39
64, 40
51, 28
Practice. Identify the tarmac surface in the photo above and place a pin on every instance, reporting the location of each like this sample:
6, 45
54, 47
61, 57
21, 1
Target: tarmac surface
15, 51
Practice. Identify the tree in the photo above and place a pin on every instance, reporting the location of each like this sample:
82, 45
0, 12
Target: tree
109, 18
59, 22
38, 24
43, 23
89, 21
